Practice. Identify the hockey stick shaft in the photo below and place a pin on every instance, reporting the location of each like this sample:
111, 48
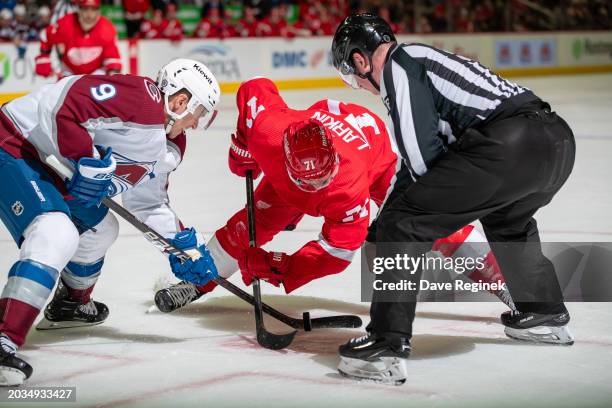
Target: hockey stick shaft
166, 247
264, 337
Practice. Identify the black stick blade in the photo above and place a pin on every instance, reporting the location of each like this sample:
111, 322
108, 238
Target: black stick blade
274, 341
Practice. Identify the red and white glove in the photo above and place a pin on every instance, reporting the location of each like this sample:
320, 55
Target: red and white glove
268, 266
239, 159
43, 65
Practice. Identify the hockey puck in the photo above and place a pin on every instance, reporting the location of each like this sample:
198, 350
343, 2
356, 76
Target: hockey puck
307, 322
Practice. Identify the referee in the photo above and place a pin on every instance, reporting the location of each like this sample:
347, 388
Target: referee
474, 146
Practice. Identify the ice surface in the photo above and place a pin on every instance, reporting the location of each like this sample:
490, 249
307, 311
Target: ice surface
206, 354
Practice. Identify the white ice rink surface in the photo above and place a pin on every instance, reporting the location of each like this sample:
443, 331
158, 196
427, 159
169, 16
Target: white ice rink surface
206, 354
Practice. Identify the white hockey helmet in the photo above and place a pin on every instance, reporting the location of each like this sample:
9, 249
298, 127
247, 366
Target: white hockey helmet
195, 77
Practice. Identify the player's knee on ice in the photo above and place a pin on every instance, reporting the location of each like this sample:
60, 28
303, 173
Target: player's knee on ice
51, 239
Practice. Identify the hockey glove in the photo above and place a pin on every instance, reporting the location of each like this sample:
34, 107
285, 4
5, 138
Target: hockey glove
269, 266
240, 160
92, 179
199, 271
43, 65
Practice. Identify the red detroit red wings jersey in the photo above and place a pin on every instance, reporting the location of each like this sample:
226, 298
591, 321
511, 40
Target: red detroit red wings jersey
367, 164
83, 52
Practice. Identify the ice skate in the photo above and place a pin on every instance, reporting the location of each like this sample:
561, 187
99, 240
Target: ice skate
62, 312
539, 328
13, 370
176, 296
375, 358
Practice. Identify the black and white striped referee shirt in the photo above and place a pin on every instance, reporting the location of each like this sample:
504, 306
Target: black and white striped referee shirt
433, 96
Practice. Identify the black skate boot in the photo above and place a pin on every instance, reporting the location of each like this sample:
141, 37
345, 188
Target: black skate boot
375, 358
13, 370
540, 328
176, 296
63, 312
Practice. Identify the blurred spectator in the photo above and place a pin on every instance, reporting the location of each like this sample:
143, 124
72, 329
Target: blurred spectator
322, 23
439, 22
213, 4
160, 26
464, 21
6, 26
385, 13
213, 25
293, 29
321, 17
42, 20
154, 28
174, 30
247, 25
85, 41
274, 25
20, 29
20, 23
483, 16
424, 26
134, 15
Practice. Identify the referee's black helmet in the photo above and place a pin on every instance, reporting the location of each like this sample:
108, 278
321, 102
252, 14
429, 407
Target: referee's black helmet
361, 33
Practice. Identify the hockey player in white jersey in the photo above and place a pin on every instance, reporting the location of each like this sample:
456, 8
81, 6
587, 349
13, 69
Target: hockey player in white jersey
121, 134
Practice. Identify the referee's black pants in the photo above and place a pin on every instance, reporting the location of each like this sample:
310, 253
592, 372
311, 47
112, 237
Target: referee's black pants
500, 175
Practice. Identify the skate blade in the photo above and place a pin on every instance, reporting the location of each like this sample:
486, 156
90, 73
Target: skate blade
10, 377
45, 324
542, 334
387, 370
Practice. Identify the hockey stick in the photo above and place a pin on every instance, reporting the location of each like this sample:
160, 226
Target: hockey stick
161, 243
264, 338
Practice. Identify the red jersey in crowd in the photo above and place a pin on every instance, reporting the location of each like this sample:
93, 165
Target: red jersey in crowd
155, 27
213, 28
247, 28
81, 52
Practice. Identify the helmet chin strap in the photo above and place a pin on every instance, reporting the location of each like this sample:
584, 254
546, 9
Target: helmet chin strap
169, 125
369, 77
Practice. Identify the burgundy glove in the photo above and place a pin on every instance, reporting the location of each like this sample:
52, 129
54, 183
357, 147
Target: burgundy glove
43, 65
240, 160
259, 263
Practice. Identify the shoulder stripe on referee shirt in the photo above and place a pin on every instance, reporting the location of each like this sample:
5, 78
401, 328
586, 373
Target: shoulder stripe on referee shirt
509, 89
449, 67
419, 138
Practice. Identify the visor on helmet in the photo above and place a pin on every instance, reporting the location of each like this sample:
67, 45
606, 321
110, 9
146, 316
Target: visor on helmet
349, 80
206, 119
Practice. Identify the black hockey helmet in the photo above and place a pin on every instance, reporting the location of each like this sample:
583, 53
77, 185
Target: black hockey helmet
361, 33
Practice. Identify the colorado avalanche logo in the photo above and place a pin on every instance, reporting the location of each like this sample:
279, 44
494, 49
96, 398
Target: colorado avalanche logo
130, 173
153, 91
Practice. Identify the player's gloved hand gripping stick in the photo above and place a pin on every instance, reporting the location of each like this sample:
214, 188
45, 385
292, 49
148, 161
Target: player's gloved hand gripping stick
164, 245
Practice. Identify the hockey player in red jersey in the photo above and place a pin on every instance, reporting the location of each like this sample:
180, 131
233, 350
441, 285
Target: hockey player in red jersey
89, 123
330, 160
86, 43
